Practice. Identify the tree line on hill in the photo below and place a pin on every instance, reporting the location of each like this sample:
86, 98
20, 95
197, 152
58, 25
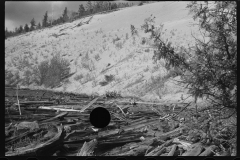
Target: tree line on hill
67, 16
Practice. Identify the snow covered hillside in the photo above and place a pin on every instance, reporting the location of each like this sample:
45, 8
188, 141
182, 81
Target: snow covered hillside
105, 46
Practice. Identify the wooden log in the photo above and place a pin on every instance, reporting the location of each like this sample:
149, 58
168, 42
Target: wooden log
137, 126
26, 124
59, 109
87, 148
208, 151
80, 132
108, 133
137, 120
44, 148
90, 104
195, 151
158, 153
138, 151
9, 126
84, 138
23, 135
59, 116
36, 102
118, 150
174, 133
159, 150
171, 153
152, 103
185, 145
225, 153
129, 146
65, 106
120, 141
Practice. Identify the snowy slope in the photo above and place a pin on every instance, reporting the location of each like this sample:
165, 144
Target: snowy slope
131, 64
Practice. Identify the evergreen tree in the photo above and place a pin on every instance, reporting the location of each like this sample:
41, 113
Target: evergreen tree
26, 28
45, 20
89, 7
113, 6
65, 16
81, 10
32, 24
16, 30
39, 25
208, 69
20, 30
50, 22
99, 6
59, 20
106, 5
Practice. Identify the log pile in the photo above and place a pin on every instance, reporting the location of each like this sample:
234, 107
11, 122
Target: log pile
58, 124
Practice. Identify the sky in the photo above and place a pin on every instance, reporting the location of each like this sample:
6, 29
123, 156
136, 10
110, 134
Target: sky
22, 12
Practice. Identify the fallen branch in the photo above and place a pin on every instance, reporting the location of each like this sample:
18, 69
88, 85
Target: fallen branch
18, 102
87, 148
45, 148
120, 109
195, 151
152, 103
209, 151
59, 116
171, 153
36, 102
184, 145
59, 109
138, 151
174, 133
89, 105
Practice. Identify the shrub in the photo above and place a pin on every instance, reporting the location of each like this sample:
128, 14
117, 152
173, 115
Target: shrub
27, 77
23, 62
12, 79
52, 72
119, 45
104, 47
116, 39
97, 57
85, 65
109, 78
113, 94
43, 69
89, 65
147, 50
78, 77
133, 30
143, 40
88, 78
104, 36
